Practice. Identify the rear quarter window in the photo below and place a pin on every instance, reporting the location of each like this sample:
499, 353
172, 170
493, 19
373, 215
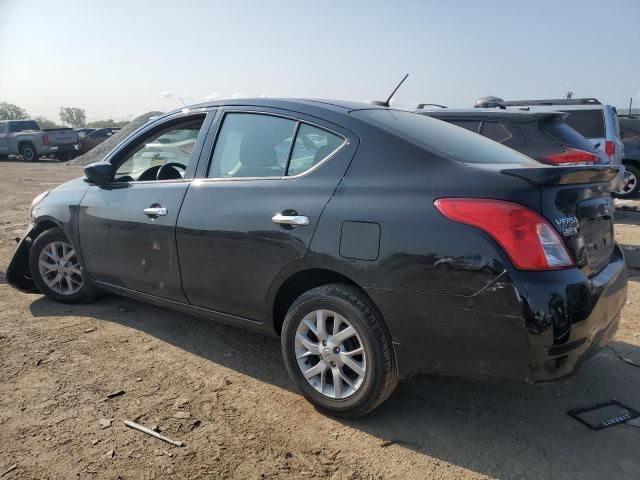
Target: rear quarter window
442, 138
589, 123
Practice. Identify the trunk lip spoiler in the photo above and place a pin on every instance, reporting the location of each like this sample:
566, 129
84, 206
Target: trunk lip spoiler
565, 175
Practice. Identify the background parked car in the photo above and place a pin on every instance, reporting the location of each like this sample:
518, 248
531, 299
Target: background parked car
26, 138
95, 138
593, 120
542, 135
630, 133
83, 132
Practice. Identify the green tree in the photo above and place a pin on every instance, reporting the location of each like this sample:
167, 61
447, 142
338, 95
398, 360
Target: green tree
9, 111
73, 116
44, 122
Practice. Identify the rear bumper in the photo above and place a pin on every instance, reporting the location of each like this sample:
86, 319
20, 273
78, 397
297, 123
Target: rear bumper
524, 327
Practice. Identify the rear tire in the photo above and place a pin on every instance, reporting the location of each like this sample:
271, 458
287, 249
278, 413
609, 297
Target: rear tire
374, 375
56, 270
29, 152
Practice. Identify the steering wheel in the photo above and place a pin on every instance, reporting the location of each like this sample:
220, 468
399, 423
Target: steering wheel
165, 174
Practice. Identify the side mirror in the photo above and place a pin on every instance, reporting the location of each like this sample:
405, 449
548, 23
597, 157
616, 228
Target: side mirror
100, 173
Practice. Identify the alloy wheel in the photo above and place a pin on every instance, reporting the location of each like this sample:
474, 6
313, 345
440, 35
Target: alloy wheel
330, 354
59, 268
630, 186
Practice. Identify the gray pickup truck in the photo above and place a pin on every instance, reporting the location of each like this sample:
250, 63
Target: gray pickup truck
26, 138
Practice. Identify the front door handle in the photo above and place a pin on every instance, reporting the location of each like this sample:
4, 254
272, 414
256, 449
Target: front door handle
156, 211
295, 220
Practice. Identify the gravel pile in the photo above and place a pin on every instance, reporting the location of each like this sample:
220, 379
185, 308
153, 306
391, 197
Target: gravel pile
99, 152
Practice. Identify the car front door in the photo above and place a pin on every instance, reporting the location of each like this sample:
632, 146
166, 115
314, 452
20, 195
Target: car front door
256, 206
127, 228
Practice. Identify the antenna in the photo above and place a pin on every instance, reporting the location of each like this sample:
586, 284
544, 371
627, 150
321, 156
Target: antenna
386, 102
395, 90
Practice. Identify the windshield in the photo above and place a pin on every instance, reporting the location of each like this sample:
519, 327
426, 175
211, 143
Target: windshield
442, 138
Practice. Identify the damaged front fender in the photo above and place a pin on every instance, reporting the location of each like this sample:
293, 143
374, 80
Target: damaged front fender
18, 274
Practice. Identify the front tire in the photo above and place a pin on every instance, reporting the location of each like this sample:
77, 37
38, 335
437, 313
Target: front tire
337, 351
55, 268
29, 152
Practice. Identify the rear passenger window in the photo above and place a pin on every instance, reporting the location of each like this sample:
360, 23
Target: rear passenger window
468, 124
312, 146
496, 131
252, 145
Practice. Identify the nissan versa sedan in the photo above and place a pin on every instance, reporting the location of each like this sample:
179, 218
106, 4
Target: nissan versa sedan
376, 243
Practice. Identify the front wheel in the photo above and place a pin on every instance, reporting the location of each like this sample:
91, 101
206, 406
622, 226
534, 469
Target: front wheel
337, 351
55, 268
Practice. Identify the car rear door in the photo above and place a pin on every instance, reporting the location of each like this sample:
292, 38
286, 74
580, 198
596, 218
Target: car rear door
127, 228
255, 206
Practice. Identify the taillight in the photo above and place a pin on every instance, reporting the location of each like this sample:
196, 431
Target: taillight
45, 139
570, 156
528, 239
610, 148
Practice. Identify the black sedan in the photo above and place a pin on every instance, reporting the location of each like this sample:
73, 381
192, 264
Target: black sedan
376, 243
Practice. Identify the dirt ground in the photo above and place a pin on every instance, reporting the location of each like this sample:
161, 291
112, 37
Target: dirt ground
225, 393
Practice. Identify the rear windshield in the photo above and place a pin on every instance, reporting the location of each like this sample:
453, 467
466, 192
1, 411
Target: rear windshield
442, 138
560, 131
590, 123
23, 126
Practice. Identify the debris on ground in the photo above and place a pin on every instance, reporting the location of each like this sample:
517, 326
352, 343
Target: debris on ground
117, 393
182, 414
111, 454
148, 431
9, 470
89, 330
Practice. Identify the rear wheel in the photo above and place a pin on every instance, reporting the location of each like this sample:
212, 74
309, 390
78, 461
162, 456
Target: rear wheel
338, 352
632, 188
29, 152
55, 268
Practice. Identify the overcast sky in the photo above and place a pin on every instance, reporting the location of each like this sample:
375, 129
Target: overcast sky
114, 58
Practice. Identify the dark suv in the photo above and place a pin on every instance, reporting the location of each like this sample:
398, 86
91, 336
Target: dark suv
543, 136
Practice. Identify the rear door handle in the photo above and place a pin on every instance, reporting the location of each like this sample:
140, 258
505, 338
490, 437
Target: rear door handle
156, 211
295, 220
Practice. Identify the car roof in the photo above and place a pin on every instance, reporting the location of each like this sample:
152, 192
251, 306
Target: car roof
338, 106
511, 114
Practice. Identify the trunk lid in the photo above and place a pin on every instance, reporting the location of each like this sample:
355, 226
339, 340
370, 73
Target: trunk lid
61, 136
577, 201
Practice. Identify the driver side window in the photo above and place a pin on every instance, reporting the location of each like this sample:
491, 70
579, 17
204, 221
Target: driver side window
161, 155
